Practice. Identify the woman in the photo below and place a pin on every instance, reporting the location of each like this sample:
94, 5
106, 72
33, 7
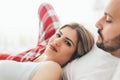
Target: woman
68, 43
49, 22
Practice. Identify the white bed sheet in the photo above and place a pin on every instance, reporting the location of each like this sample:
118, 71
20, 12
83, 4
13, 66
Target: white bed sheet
96, 65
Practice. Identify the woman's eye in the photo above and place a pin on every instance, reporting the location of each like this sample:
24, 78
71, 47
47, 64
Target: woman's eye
68, 43
58, 35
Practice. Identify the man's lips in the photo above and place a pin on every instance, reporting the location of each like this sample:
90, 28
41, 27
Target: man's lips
53, 48
100, 34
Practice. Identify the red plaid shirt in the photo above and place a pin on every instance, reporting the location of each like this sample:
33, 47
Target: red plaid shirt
48, 24
29, 55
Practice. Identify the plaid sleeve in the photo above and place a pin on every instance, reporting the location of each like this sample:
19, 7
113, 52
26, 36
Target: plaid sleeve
48, 24
28, 55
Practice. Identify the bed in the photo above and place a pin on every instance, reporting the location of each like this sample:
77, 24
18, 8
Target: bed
93, 66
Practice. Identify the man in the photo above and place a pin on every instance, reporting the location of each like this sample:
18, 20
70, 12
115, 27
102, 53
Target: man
109, 29
101, 65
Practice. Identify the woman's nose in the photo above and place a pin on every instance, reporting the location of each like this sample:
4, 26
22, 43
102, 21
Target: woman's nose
57, 42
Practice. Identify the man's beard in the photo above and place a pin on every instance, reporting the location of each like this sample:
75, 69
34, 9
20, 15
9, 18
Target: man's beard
110, 45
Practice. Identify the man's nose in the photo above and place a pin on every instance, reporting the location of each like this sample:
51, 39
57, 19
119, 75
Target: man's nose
99, 24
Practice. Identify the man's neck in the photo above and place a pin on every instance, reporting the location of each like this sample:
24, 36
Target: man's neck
116, 53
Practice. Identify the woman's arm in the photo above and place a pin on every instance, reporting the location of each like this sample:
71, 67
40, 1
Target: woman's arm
48, 71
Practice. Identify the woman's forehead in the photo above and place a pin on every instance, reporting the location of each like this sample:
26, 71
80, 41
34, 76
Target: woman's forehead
69, 33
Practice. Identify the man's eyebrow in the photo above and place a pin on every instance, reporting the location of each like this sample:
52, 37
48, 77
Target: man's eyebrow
108, 14
68, 39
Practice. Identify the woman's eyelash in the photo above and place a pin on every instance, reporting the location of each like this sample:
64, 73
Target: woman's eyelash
68, 43
58, 34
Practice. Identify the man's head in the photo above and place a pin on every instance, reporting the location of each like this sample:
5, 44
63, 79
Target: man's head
109, 29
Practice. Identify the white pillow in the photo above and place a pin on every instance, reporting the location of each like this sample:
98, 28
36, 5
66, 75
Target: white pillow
96, 65
117, 73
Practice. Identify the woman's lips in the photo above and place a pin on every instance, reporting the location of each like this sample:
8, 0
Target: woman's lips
53, 48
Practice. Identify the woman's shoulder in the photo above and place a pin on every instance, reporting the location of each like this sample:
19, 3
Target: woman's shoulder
48, 70
52, 64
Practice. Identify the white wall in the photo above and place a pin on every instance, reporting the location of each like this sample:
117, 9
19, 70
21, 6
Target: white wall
19, 20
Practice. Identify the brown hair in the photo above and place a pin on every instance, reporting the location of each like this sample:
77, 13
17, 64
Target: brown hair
85, 40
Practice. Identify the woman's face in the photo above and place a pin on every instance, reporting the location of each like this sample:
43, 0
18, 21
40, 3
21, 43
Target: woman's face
61, 45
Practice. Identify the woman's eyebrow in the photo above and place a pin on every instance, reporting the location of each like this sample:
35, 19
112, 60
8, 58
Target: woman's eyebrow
68, 38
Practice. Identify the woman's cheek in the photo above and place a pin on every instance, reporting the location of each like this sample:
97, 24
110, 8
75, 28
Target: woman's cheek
51, 39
